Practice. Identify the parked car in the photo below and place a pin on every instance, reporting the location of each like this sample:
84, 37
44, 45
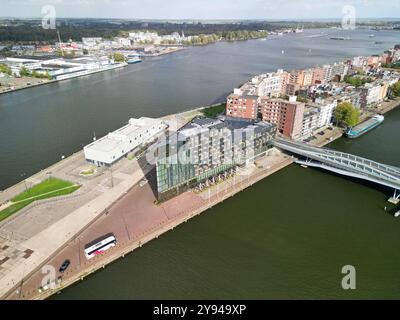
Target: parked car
64, 266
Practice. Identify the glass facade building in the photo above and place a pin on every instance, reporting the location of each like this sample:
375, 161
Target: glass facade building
206, 147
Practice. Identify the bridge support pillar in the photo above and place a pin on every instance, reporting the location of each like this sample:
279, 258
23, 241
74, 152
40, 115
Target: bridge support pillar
396, 197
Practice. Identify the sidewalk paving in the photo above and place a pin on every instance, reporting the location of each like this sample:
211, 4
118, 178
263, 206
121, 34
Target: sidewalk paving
47, 242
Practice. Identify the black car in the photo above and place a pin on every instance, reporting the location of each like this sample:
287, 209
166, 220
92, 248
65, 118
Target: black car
64, 266
321, 133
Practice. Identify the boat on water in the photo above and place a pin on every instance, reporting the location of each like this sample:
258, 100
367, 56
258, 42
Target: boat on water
134, 60
299, 30
316, 35
339, 38
365, 126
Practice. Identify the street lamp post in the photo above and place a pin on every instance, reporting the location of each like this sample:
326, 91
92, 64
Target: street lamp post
112, 178
22, 176
22, 281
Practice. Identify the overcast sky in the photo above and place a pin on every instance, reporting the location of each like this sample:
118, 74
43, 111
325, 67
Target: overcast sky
202, 9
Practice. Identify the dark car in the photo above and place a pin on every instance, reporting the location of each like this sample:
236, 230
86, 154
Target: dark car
64, 266
321, 133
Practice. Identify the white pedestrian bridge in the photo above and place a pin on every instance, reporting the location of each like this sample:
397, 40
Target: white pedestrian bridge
343, 163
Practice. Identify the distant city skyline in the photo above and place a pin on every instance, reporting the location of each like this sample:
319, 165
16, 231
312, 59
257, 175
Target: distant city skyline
202, 10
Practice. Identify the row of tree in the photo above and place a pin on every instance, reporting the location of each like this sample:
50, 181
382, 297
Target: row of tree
31, 30
24, 72
225, 36
357, 81
38, 35
26, 33
395, 65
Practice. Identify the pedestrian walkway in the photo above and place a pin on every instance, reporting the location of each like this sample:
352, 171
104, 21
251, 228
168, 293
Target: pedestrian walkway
16, 264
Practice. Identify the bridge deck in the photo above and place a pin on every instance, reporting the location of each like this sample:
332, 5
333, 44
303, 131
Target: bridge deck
344, 163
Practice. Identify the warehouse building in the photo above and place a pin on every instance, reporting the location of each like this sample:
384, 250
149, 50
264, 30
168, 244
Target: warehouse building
119, 143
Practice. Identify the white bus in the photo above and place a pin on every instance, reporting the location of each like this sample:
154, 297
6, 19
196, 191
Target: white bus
100, 245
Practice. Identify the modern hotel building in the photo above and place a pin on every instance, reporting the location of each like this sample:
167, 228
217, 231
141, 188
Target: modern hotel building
207, 147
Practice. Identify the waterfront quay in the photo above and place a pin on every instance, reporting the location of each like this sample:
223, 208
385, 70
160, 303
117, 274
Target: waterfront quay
135, 219
112, 200
11, 84
37, 232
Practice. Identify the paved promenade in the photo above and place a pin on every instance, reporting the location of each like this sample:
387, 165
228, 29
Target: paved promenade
38, 231
135, 220
45, 243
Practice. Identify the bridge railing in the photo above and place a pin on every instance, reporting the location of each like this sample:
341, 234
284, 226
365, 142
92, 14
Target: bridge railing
303, 146
345, 161
358, 165
371, 163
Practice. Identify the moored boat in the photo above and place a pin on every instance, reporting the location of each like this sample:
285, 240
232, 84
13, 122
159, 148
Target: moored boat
134, 60
365, 126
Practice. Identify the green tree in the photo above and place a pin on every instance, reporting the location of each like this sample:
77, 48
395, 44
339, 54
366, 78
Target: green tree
356, 81
396, 89
24, 72
347, 114
69, 54
5, 69
119, 57
395, 65
302, 99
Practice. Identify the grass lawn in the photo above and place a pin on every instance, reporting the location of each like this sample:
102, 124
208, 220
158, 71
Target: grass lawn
212, 112
43, 190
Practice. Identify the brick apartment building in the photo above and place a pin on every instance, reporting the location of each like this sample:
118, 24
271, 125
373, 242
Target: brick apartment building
286, 115
242, 105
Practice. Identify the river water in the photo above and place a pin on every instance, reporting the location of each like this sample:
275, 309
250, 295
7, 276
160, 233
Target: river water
288, 236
